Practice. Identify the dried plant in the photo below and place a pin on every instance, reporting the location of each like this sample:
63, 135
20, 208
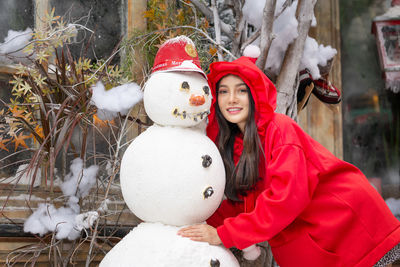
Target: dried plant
51, 105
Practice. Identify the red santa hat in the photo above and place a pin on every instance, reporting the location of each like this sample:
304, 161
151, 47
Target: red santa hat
177, 54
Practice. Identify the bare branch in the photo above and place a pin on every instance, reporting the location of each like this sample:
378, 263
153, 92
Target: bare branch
266, 32
208, 13
284, 6
240, 25
251, 39
217, 22
194, 11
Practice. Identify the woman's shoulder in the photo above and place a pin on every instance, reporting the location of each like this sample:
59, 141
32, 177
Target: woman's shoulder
283, 130
282, 120
283, 123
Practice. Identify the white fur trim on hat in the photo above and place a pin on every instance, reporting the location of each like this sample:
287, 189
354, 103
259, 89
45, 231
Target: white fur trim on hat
252, 51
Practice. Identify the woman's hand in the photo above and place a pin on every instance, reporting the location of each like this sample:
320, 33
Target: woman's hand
202, 233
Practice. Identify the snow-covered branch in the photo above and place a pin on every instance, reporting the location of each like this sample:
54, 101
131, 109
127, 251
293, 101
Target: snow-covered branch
294, 53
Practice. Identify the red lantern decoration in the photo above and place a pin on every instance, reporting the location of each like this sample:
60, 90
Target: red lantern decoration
386, 29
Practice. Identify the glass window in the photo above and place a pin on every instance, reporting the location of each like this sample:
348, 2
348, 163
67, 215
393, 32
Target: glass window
10, 158
15, 19
370, 112
103, 17
15, 15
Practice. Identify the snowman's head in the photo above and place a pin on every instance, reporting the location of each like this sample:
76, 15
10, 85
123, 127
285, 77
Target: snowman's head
177, 98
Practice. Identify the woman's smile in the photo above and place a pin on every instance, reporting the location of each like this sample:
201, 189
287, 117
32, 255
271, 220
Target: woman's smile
234, 110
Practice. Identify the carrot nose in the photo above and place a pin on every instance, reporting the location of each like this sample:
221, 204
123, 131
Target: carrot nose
197, 100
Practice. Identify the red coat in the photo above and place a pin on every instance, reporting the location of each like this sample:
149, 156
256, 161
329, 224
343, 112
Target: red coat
313, 208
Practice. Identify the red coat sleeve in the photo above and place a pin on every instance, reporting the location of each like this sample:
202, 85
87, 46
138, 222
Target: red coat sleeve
289, 189
225, 210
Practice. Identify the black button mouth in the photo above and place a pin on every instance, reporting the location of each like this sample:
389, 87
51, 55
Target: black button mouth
207, 160
214, 263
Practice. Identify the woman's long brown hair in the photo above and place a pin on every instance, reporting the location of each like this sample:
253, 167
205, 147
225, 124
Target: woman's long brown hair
244, 176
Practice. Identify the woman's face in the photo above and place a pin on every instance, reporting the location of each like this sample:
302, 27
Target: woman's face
233, 100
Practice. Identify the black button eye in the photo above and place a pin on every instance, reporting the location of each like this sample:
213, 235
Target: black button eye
185, 86
206, 90
208, 192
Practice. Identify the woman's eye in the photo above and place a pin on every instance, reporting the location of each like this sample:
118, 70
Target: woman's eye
185, 86
222, 92
243, 90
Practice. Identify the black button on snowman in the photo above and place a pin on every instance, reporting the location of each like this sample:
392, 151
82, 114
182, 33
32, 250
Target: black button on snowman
172, 175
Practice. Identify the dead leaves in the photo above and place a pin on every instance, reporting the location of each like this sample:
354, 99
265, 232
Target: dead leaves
19, 140
3, 143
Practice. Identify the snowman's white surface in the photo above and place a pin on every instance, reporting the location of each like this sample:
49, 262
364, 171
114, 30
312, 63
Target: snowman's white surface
167, 93
167, 179
158, 245
163, 178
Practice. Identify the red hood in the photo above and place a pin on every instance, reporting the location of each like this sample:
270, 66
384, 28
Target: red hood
262, 90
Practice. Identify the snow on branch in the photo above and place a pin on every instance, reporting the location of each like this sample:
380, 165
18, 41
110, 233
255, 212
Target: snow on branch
291, 64
284, 32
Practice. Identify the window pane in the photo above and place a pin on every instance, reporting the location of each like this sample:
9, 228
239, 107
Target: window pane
371, 112
15, 19
15, 15
11, 159
103, 17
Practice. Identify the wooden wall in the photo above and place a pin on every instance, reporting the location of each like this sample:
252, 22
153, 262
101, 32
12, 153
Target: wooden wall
322, 121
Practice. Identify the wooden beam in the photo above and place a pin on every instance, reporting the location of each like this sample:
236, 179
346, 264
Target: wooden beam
41, 7
136, 21
134, 15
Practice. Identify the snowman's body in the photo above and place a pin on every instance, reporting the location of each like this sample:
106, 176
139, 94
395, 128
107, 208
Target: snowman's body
172, 175
156, 244
168, 177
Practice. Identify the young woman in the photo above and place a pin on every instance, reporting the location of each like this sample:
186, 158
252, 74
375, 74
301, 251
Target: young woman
285, 188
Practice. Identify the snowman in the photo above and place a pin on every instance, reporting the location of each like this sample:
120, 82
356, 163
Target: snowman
172, 175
